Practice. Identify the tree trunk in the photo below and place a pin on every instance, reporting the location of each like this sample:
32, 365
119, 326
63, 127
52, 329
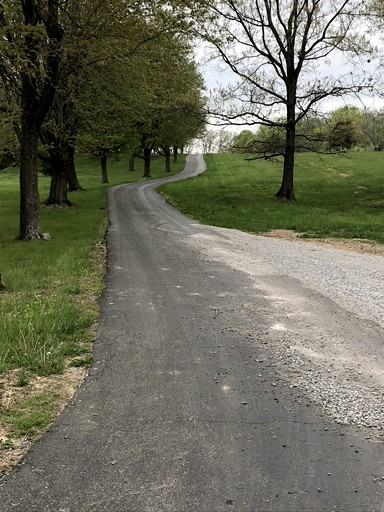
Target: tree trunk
58, 194
286, 192
167, 160
35, 104
104, 169
131, 164
29, 192
147, 162
73, 182
175, 151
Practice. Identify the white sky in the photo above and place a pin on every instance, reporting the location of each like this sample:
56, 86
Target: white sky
216, 74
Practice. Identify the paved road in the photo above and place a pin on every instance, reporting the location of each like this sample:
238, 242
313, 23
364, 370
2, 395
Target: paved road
184, 411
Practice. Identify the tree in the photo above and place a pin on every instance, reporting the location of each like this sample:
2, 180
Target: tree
34, 36
372, 126
276, 48
182, 117
169, 103
244, 142
9, 145
87, 90
105, 106
345, 131
311, 134
269, 140
225, 140
218, 140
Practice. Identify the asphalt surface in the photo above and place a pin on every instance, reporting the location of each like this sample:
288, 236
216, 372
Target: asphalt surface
183, 410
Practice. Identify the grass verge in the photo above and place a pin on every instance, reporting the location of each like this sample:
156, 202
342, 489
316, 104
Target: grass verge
49, 307
337, 196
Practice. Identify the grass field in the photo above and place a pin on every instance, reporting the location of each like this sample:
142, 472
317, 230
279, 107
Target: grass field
49, 307
338, 196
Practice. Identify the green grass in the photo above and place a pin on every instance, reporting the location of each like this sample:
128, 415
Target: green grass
31, 415
49, 308
337, 196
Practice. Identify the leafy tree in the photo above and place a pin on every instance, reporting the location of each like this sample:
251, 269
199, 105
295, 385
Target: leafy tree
31, 42
9, 145
275, 49
269, 140
345, 131
43, 45
372, 126
209, 140
225, 141
311, 134
169, 112
182, 117
244, 142
105, 103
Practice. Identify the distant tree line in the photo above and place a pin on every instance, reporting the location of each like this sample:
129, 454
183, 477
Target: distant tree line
344, 129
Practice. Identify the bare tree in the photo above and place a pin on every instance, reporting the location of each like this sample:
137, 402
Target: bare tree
275, 47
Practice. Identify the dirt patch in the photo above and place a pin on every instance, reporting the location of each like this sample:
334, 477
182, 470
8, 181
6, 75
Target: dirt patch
354, 244
12, 448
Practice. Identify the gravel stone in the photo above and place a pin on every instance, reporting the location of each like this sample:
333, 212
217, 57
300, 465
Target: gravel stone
327, 324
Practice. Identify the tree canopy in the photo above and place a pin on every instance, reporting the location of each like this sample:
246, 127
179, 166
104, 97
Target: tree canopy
51, 53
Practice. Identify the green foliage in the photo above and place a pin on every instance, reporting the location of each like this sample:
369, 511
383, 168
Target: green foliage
339, 196
9, 147
342, 130
23, 378
244, 142
345, 131
71, 64
83, 362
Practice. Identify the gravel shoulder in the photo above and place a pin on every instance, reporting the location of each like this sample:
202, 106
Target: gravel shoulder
327, 331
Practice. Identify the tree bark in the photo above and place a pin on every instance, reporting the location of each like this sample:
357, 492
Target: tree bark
131, 164
58, 194
29, 192
286, 192
35, 104
104, 169
73, 182
147, 162
175, 151
167, 160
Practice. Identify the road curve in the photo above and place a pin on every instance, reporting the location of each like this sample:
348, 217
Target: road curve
184, 408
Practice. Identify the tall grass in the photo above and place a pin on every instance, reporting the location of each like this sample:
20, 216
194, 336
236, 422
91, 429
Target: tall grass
337, 196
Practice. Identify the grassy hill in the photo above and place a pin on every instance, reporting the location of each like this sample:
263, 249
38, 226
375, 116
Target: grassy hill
338, 196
